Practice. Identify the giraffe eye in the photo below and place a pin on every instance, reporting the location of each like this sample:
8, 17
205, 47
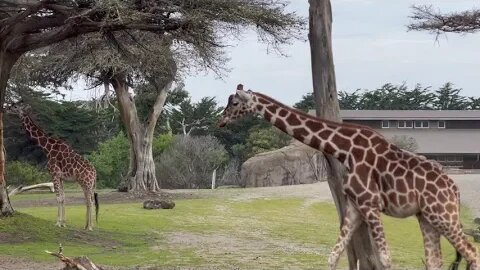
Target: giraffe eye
235, 103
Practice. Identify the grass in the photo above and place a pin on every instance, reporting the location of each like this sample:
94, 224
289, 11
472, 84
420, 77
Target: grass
272, 233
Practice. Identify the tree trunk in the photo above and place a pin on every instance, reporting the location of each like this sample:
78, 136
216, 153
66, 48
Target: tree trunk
141, 170
7, 61
361, 248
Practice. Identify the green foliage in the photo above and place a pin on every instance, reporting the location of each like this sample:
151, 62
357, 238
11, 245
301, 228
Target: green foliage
265, 139
399, 97
73, 122
111, 161
190, 161
448, 98
22, 173
160, 143
306, 103
195, 118
234, 136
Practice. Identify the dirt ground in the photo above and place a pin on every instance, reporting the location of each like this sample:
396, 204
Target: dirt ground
469, 185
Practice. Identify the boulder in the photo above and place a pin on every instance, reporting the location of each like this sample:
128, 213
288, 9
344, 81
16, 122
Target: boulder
291, 165
158, 204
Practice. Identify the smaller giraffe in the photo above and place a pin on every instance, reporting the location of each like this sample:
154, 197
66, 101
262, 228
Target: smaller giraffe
63, 163
382, 178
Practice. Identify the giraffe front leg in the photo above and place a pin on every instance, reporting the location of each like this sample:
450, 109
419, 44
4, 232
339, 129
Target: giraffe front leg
60, 194
431, 241
371, 216
351, 221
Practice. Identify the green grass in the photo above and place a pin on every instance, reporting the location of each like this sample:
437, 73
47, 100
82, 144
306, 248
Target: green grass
274, 233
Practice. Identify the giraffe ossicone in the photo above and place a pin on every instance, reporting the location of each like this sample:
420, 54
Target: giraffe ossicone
63, 164
382, 178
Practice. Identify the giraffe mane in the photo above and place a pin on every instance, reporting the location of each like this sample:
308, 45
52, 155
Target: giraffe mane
311, 117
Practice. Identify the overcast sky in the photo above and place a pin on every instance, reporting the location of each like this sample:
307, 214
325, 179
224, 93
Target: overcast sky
371, 47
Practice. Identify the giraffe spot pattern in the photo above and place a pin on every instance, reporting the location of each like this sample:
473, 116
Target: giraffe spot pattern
382, 177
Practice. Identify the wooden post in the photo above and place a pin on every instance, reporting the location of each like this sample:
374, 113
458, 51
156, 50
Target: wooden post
214, 177
361, 249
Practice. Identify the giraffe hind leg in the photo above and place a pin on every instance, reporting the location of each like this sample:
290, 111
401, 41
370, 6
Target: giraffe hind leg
371, 215
60, 194
431, 241
351, 222
88, 192
449, 226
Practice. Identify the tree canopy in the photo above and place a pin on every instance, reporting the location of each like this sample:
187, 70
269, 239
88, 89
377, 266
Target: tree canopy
427, 18
399, 97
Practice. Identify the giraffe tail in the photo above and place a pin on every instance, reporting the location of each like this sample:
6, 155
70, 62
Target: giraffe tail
456, 263
95, 197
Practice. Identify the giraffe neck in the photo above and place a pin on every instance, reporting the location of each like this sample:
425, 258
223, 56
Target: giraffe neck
329, 137
34, 131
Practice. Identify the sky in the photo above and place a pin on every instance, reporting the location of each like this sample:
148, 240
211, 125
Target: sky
371, 47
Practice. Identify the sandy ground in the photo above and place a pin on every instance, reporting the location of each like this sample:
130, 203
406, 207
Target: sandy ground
469, 185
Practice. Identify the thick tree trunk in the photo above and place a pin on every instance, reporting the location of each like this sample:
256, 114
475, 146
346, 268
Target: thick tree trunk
141, 170
361, 249
7, 61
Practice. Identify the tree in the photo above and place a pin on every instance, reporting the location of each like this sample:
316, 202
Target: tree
194, 28
190, 160
265, 139
194, 118
306, 104
349, 101
27, 25
361, 249
448, 98
398, 97
426, 18
405, 142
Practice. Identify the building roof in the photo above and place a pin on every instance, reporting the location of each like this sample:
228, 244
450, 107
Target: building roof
410, 114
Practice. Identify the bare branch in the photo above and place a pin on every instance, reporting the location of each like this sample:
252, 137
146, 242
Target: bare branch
426, 18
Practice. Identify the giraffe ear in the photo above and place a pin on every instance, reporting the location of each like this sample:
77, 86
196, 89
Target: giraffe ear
242, 95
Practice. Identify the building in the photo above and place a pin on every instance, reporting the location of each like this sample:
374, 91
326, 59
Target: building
451, 137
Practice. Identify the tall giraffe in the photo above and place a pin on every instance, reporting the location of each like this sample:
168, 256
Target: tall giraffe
381, 179
63, 163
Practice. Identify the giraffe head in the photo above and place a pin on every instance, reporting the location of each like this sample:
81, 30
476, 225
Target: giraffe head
239, 104
18, 108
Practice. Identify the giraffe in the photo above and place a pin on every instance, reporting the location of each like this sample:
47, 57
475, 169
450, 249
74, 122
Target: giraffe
381, 179
63, 163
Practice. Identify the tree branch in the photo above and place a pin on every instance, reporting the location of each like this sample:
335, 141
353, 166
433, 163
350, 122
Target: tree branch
10, 22
157, 108
426, 18
34, 41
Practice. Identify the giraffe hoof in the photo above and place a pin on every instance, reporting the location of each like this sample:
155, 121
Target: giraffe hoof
60, 224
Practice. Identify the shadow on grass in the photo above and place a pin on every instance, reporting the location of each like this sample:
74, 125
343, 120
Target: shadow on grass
23, 228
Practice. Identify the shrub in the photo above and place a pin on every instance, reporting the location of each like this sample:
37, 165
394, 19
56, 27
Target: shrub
230, 174
265, 139
405, 142
111, 161
189, 162
160, 143
22, 173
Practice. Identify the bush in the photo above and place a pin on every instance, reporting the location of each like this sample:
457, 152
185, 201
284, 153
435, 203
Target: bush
230, 174
189, 162
160, 143
405, 142
265, 139
111, 161
22, 173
